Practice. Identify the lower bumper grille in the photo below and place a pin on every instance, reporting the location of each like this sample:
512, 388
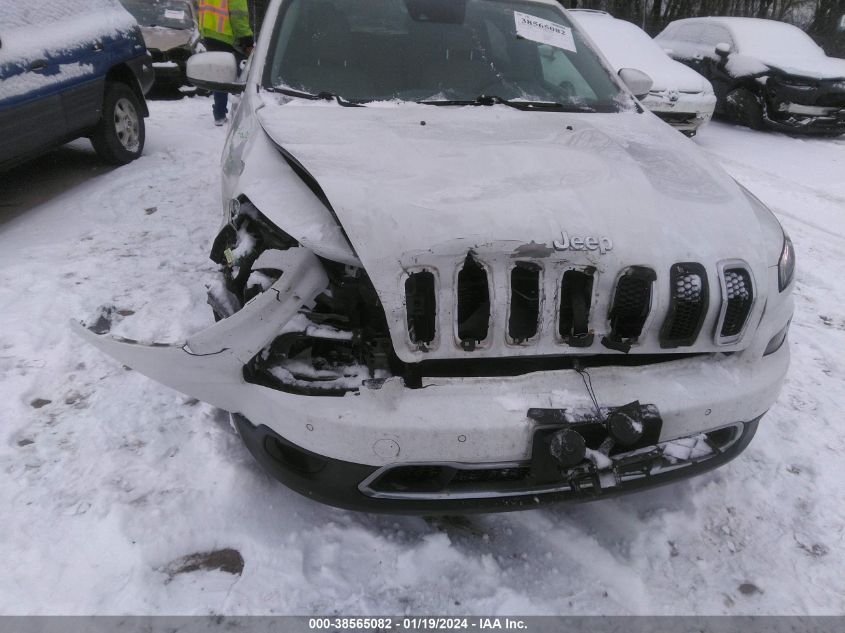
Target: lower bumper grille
631, 468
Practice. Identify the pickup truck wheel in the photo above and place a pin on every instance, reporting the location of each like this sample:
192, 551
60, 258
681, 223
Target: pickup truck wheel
119, 136
745, 107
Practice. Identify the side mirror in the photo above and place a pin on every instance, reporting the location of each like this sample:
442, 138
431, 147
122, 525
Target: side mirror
637, 81
215, 71
723, 49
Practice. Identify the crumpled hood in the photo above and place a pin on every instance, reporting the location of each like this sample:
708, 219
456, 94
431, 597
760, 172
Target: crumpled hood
408, 178
415, 185
821, 67
161, 38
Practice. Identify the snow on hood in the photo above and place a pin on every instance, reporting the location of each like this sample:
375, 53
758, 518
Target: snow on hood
821, 67
625, 45
782, 46
413, 179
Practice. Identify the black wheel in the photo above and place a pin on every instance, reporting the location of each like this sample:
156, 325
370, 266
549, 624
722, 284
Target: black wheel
745, 107
119, 136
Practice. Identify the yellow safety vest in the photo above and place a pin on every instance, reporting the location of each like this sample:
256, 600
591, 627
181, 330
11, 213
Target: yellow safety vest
224, 20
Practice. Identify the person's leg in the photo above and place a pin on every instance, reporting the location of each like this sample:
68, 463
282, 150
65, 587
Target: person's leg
220, 107
221, 99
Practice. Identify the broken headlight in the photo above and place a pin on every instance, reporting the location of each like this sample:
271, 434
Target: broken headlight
786, 264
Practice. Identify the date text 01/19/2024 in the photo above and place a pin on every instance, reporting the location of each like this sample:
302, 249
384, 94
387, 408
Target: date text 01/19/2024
417, 624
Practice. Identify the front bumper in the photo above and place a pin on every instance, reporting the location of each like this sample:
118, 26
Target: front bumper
445, 488
468, 423
813, 108
169, 66
686, 112
830, 123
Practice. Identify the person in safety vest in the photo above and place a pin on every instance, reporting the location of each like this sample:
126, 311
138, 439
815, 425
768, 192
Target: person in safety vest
224, 26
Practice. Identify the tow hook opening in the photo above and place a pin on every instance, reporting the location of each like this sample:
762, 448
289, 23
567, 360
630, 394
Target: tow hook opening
293, 457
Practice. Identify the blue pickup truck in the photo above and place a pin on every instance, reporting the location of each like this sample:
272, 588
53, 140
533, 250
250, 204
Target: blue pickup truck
71, 69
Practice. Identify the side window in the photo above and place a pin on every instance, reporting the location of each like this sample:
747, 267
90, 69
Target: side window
713, 35
669, 33
688, 33
685, 40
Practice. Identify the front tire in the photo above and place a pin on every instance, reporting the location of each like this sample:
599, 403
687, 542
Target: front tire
119, 136
744, 106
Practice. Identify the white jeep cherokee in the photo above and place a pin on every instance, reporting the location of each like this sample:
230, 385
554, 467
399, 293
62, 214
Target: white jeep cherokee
462, 269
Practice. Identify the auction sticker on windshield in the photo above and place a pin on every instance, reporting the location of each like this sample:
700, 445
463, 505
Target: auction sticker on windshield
174, 15
543, 31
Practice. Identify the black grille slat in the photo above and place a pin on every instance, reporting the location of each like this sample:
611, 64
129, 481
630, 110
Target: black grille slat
576, 292
421, 307
630, 308
525, 302
473, 304
687, 306
739, 297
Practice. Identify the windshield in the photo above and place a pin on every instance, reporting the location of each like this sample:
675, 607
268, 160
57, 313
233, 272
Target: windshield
172, 14
440, 51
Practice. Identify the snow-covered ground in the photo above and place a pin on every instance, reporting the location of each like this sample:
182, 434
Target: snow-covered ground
109, 480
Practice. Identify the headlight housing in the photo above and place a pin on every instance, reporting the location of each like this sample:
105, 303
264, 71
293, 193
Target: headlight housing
786, 264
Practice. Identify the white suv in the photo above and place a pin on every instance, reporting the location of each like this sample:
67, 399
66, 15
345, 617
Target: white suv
462, 269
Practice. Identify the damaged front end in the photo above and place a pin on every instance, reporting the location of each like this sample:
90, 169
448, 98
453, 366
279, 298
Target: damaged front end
805, 105
285, 319
816, 106
333, 345
402, 376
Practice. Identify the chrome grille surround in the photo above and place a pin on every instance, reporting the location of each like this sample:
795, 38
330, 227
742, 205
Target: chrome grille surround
499, 260
736, 281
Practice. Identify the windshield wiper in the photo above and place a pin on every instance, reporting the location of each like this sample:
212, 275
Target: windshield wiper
320, 96
489, 100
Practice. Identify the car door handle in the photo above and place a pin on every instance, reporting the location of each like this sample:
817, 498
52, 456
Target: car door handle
38, 65
97, 47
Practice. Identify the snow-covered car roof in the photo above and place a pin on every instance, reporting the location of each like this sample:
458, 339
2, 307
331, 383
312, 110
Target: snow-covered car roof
38, 28
625, 45
777, 44
758, 36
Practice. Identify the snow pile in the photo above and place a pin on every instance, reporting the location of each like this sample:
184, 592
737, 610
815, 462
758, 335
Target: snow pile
44, 28
739, 65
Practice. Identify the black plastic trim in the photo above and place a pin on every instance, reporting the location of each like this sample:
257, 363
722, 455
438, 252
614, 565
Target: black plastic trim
335, 482
668, 338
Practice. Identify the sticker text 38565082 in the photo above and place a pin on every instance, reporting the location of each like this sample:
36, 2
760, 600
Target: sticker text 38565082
543, 31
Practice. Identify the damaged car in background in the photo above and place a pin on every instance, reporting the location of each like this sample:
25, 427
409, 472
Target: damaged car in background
171, 34
766, 74
462, 269
680, 96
